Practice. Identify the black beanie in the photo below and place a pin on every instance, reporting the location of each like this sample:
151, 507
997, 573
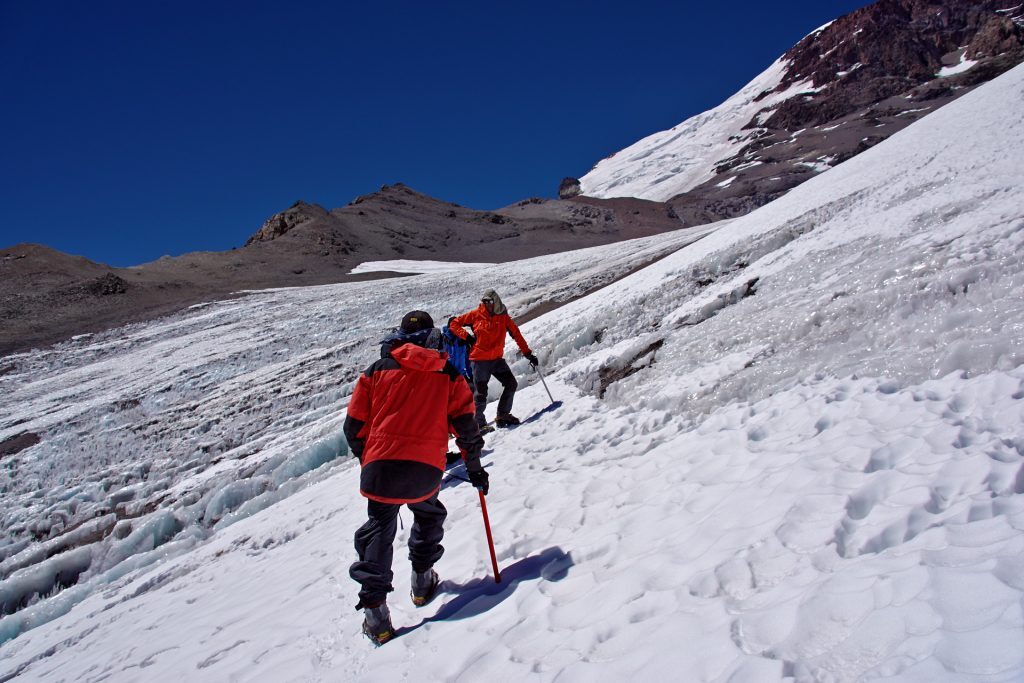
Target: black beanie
414, 321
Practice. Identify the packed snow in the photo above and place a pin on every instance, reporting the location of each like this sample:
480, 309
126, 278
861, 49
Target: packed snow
788, 447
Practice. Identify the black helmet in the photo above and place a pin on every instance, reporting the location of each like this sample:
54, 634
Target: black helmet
414, 321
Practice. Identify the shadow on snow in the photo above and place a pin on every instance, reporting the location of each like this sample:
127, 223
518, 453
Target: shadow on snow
543, 411
479, 595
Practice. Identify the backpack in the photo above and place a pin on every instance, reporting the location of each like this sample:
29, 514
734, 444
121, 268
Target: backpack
458, 353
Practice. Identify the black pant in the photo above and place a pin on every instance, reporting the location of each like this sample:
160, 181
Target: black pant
374, 542
482, 371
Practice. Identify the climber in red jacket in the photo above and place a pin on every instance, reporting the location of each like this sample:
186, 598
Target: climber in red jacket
398, 425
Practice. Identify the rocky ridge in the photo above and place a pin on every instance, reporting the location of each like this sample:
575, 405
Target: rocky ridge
47, 296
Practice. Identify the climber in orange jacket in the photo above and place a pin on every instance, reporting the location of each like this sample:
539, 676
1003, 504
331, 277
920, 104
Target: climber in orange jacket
489, 322
401, 411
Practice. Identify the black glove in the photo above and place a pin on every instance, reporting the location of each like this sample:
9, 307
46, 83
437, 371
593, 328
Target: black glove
532, 358
470, 339
478, 478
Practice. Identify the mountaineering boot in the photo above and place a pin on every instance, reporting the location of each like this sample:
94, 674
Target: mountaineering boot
377, 625
509, 420
424, 587
487, 429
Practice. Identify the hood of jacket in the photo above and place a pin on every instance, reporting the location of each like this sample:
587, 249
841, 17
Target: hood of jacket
412, 357
499, 306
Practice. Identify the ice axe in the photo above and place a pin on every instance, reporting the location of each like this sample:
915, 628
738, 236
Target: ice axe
490, 541
537, 368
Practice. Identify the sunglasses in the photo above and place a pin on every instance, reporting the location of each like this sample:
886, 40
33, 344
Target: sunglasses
487, 301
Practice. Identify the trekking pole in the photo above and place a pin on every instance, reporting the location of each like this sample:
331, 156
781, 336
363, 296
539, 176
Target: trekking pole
490, 541
537, 368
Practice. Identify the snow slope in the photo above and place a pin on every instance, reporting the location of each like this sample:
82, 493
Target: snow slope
790, 450
670, 162
406, 266
157, 435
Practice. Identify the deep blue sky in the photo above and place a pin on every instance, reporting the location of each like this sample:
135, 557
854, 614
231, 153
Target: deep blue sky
141, 128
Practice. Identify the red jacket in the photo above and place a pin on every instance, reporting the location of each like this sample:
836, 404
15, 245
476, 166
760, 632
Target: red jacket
398, 423
489, 331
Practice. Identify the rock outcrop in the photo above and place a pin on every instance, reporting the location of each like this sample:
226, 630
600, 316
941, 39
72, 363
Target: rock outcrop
107, 285
569, 188
887, 49
281, 223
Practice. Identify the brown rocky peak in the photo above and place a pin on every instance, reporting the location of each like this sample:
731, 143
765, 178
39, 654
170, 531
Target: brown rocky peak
887, 49
280, 223
398, 193
895, 38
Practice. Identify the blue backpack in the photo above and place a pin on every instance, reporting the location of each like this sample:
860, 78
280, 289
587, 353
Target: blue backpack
458, 353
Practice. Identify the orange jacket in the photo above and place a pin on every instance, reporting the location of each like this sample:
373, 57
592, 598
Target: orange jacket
489, 331
399, 417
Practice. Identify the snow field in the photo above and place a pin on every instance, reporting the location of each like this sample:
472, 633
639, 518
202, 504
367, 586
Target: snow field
767, 542
178, 428
879, 268
719, 525
791, 450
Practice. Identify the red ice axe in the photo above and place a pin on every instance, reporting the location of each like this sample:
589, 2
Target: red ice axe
490, 541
